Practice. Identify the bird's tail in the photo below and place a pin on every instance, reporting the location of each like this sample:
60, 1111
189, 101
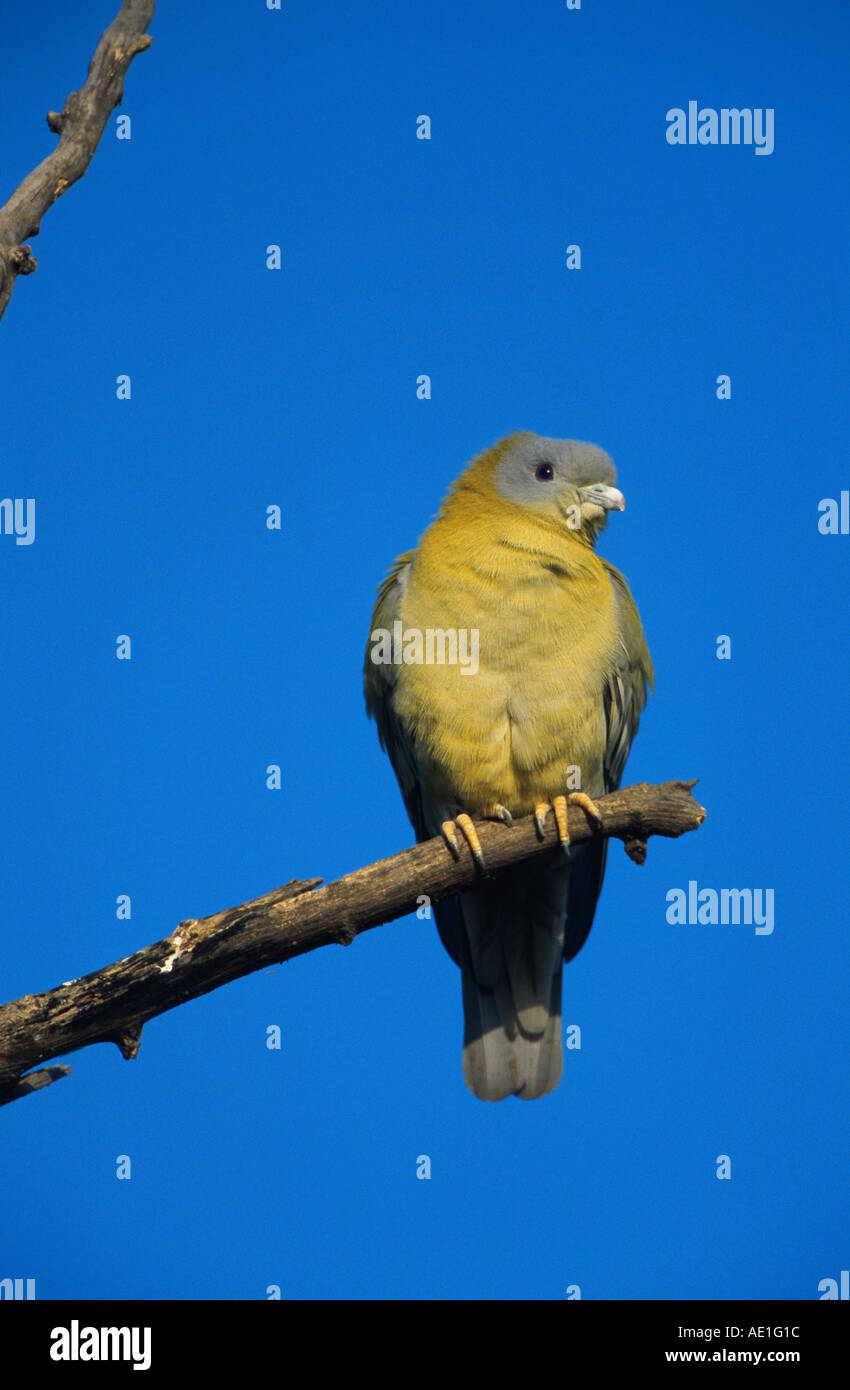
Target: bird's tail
512, 948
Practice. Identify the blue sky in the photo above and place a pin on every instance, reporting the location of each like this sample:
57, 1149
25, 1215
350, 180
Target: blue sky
297, 387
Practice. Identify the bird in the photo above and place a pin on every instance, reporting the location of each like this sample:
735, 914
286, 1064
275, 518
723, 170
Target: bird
507, 671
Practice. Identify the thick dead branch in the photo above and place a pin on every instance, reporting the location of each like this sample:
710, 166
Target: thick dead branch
79, 126
113, 1004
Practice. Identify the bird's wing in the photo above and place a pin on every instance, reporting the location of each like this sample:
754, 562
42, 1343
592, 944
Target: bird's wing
628, 682
379, 682
624, 696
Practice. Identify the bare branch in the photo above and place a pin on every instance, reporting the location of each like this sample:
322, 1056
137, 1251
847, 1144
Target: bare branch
33, 1081
79, 126
113, 1004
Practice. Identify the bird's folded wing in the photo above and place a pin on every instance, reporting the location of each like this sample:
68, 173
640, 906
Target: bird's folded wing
379, 680
624, 696
628, 681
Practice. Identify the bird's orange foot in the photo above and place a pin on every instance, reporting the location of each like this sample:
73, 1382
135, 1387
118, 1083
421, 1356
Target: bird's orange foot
559, 805
588, 805
470, 834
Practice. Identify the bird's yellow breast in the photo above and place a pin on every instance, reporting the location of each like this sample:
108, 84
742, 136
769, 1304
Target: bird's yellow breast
540, 607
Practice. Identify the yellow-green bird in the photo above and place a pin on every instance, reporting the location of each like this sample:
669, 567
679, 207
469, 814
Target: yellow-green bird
507, 670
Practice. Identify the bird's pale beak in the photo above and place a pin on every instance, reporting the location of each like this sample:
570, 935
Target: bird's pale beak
609, 498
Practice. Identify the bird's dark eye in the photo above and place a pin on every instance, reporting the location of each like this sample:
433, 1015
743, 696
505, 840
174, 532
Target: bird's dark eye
545, 473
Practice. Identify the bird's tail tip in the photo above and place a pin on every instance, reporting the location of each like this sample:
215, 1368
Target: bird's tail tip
497, 1065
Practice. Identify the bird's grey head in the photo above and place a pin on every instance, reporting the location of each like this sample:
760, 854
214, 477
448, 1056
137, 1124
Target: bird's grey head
571, 482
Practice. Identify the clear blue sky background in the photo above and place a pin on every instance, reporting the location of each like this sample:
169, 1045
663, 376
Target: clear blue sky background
250, 387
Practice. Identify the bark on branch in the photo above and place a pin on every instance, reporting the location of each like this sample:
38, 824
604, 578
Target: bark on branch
79, 126
113, 1004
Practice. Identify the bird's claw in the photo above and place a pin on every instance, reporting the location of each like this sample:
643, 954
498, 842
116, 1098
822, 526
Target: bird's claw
448, 829
463, 822
559, 805
588, 805
470, 834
